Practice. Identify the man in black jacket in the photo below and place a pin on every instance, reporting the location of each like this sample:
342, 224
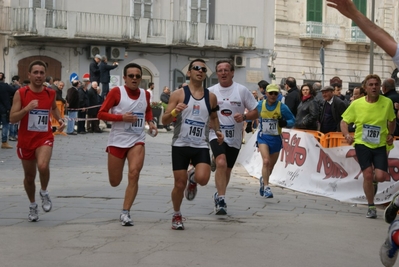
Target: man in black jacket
72, 99
332, 110
389, 90
6, 91
292, 99
94, 69
94, 124
105, 77
83, 104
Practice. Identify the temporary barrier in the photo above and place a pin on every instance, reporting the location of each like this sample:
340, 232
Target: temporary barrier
320, 137
54, 122
335, 139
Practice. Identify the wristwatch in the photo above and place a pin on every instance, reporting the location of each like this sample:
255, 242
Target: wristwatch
244, 117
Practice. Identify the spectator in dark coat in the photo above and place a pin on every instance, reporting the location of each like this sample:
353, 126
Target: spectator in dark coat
389, 90
83, 105
308, 110
292, 99
92, 93
94, 69
105, 77
6, 92
332, 110
72, 99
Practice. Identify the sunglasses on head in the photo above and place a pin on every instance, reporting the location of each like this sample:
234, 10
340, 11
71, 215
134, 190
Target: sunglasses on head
132, 76
198, 68
273, 93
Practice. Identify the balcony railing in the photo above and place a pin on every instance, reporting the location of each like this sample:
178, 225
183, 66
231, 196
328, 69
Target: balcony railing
354, 35
319, 30
61, 24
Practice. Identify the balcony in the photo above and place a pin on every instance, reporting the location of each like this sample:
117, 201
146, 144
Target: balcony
27, 23
354, 35
319, 30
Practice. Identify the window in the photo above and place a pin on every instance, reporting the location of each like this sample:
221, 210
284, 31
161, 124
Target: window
198, 10
47, 4
362, 6
314, 10
141, 8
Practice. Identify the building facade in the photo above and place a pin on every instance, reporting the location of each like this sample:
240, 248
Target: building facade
163, 36
305, 27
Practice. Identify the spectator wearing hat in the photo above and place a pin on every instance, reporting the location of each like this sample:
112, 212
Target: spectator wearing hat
94, 69
105, 76
331, 112
273, 115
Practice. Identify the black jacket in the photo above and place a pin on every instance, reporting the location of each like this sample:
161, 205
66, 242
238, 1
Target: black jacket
307, 114
94, 72
73, 97
83, 98
104, 72
394, 96
338, 107
6, 92
292, 100
93, 101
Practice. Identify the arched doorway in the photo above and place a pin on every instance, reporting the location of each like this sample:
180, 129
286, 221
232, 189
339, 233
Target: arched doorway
53, 67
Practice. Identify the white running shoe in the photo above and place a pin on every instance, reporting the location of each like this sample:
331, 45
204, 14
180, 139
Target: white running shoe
125, 219
46, 202
33, 214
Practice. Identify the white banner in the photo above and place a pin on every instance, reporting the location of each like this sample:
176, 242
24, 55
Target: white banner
305, 166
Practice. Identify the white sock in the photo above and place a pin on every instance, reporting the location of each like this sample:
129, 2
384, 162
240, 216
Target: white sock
221, 197
32, 205
176, 213
43, 192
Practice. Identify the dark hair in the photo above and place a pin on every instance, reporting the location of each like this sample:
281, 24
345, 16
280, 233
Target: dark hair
48, 79
312, 92
37, 62
263, 84
132, 65
2, 76
15, 78
361, 90
150, 84
195, 60
291, 82
75, 82
228, 61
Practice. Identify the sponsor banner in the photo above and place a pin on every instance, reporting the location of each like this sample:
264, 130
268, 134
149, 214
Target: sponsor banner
304, 165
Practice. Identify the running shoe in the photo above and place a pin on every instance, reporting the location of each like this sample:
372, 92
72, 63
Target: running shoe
215, 198
389, 250
191, 189
33, 214
46, 202
261, 187
221, 207
371, 212
391, 210
177, 222
267, 193
125, 219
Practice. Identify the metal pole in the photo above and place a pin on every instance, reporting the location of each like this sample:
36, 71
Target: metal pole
371, 70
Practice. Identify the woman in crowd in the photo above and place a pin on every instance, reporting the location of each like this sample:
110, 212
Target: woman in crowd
308, 109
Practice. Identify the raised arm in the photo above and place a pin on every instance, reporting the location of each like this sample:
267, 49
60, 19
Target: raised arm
374, 32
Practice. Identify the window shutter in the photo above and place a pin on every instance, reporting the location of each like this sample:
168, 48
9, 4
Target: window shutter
314, 10
49, 4
362, 6
36, 3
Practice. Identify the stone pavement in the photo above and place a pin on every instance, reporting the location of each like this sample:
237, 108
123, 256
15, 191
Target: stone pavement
83, 228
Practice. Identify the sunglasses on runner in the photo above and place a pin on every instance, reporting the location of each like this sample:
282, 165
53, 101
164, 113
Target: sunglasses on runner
198, 68
132, 76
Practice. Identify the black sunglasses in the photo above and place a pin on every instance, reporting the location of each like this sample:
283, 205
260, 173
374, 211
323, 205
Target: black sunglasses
198, 68
273, 93
131, 76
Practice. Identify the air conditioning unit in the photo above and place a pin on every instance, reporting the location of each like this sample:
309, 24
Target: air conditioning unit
93, 50
116, 53
240, 61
